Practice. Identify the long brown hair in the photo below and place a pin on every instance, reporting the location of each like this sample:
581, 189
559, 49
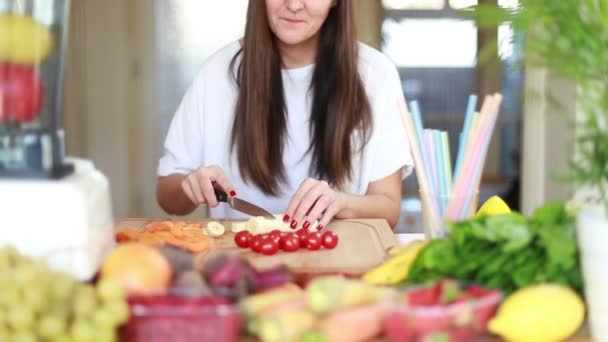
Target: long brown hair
340, 107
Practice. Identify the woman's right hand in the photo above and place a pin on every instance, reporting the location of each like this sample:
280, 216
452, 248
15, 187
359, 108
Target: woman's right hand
199, 185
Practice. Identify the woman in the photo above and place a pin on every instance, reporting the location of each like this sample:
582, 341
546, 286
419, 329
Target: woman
297, 117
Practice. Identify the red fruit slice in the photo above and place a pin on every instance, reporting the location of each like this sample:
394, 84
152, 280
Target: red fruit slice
462, 334
423, 296
22, 92
396, 329
476, 291
486, 309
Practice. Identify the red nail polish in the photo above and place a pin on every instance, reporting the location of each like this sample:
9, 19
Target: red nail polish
293, 224
286, 218
232, 193
306, 225
320, 227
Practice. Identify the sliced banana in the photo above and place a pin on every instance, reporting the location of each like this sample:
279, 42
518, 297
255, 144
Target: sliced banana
215, 229
238, 226
262, 225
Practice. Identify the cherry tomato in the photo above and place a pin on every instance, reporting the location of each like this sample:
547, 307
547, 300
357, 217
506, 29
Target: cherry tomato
256, 243
329, 239
302, 235
243, 239
290, 242
275, 235
313, 241
269, 247
22, 92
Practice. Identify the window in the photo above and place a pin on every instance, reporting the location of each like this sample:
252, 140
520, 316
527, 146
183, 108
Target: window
187, 33
413, 4
430, 42
460, 4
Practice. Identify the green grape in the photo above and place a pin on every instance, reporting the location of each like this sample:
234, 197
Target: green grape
25, 275
64, 337
3, 318
5, 262
82, 331
62, 286
103, 319
12, 254
85, 301
105, 335
20, 318
35, 300
5, 333
119, 310
10, 296
24, 336
109, 291
59, 309
50, 326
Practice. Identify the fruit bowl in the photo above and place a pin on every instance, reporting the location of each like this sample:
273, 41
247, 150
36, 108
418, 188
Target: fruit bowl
443, 311
182, 319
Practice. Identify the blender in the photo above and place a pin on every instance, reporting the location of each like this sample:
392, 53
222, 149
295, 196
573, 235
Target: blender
51, 206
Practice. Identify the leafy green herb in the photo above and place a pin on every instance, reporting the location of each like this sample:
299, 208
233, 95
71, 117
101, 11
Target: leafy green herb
506, 251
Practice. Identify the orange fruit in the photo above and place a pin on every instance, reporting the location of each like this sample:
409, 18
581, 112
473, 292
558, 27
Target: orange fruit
139, 268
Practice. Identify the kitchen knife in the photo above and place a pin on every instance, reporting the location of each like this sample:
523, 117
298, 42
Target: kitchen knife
242, 205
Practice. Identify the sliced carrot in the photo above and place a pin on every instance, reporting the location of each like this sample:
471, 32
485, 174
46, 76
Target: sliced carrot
158, 226
127, 235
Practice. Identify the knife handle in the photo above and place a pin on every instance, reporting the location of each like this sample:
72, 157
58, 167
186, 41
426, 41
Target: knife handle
220, 194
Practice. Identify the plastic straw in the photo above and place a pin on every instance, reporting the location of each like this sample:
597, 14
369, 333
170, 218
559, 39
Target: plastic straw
468, 119
494, 110
443, 186
459, 190
448, 160
429, 145
421, 170
480, 148
420, 132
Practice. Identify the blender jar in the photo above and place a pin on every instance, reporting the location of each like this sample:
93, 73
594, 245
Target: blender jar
33, 38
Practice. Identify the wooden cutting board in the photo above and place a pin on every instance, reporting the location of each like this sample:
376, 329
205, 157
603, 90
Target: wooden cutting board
362, 245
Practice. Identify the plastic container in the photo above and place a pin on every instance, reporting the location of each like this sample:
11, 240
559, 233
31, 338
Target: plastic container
182, 319
458, 321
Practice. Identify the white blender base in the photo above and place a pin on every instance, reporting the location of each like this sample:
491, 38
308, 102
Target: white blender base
68, 222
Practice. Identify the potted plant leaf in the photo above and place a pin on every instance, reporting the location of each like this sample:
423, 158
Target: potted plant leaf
570, 39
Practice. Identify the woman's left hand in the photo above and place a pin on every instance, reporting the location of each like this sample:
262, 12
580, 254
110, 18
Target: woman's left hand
314, 200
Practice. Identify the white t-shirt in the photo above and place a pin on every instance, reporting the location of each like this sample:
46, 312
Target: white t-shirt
199, 134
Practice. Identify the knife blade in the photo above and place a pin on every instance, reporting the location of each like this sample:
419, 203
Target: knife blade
242, 205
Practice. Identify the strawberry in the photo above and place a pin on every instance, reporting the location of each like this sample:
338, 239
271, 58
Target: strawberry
483, 313
476, 291
462, 334
396, 329
423, 296
462, 312
430, 321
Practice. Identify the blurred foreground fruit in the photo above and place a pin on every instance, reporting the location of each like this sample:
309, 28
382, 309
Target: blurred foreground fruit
37, 304
494, 206
395, 270
139, 268
540, 313
21, 92
23, 40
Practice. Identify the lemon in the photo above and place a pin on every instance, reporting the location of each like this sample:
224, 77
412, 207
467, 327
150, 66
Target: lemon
23, 40
539, 313
494, 206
